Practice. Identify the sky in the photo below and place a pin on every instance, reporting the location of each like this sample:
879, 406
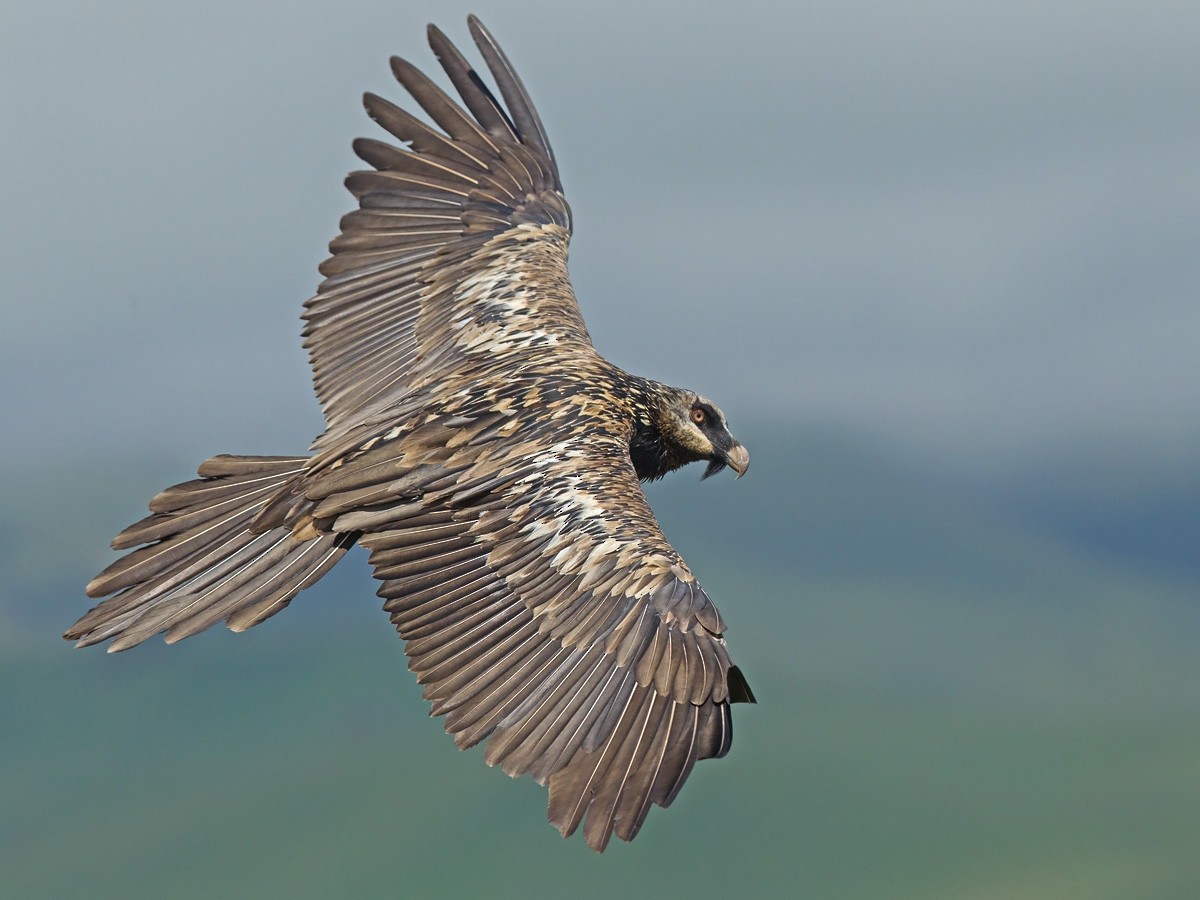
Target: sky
970, 229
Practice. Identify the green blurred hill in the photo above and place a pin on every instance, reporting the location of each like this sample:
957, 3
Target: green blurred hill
956, 700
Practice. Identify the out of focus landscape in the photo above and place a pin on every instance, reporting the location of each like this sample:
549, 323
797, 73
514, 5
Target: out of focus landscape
936, 262
960, 695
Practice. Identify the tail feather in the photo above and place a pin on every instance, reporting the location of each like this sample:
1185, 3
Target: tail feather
174, 511
204, 560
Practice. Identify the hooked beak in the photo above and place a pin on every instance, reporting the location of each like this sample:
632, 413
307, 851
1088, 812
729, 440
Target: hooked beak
737, 458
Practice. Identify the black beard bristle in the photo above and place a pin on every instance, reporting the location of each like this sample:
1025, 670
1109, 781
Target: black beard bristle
714, 466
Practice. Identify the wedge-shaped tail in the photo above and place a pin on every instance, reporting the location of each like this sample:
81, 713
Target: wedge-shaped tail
203, 557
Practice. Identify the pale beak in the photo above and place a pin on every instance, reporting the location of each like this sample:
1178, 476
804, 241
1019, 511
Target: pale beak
738, 459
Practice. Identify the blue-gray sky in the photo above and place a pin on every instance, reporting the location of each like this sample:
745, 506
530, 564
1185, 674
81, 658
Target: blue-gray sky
973, 228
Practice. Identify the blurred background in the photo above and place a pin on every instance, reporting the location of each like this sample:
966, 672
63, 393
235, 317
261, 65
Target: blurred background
938, 263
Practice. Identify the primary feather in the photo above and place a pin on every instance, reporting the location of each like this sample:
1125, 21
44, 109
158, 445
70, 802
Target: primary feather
488, 458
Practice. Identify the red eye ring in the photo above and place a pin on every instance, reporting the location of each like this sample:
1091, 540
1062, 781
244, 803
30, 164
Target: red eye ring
699, 415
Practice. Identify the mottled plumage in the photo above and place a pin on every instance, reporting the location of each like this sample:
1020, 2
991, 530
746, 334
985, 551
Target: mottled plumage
488, 458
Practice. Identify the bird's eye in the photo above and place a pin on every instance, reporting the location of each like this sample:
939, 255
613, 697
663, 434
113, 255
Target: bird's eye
699, 415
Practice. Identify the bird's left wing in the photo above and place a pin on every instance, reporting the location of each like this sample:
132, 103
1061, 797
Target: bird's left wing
543, 608
458, 248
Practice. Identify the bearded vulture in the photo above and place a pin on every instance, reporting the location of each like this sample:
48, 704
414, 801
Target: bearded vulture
488, 458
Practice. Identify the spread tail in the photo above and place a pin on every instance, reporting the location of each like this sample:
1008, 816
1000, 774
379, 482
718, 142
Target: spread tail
206, 558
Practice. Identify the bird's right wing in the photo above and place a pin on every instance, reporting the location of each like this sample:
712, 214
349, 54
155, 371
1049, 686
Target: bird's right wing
543, 609
458, 249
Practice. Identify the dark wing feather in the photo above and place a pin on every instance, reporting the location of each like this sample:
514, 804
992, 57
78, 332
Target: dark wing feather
527, 121
544, 610
448, 223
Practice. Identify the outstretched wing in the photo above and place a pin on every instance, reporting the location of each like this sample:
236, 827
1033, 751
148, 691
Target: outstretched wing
543, 609
464, 225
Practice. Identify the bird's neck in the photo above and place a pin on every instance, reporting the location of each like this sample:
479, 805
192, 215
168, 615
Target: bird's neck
654, 453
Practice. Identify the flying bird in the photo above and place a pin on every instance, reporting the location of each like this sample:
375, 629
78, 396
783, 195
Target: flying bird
488, 458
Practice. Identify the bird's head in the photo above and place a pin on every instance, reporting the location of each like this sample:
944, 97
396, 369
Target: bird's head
703, 431
693, 428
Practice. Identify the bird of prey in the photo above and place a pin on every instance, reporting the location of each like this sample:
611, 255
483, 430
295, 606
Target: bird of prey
488, 458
